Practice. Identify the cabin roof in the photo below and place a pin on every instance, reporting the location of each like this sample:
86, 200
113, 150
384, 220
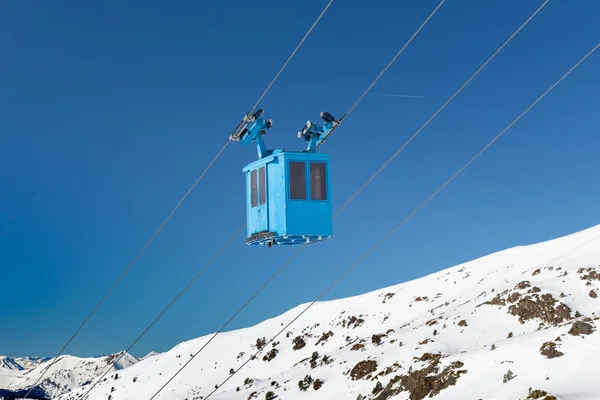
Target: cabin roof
297, 155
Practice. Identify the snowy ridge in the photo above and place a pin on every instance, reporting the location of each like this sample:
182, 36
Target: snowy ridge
20, 363
510, 325
151, 354
64, 376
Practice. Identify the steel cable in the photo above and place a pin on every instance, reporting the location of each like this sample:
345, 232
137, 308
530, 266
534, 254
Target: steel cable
405, 220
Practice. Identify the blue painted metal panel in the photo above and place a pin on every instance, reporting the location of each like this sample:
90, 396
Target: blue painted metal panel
263, 203
283, 220
277, 222
257, 213
308, 217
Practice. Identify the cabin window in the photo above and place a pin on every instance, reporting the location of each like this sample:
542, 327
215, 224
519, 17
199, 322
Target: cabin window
297, 180
318, 181
253, 189
262, 185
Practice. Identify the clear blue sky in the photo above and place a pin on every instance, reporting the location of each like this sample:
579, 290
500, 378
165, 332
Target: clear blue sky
110, 110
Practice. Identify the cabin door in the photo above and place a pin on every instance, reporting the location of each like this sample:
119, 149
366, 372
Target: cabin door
259, 212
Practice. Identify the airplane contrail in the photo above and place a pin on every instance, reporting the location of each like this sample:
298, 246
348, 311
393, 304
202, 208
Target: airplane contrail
398, 95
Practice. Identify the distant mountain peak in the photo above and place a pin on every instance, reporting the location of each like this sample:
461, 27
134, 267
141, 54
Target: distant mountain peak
21, 363
67, 373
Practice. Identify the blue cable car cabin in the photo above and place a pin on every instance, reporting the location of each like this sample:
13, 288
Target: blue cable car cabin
288, 198
288, 193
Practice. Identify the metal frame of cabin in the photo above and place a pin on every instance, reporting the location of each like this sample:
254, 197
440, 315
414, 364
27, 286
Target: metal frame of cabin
288, 193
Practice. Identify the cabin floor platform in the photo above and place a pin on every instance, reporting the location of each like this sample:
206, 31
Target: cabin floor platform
271, 239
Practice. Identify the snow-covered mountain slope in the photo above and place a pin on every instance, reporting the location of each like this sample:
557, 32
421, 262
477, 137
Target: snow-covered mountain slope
20, 363
11, 368
65, 375
517, 324
151, 354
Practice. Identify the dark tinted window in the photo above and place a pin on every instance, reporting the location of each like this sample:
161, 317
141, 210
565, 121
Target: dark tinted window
297, 180
262, 185
253, 189
318, 181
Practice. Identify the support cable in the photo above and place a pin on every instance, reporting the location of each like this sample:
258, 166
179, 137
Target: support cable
138, 255
401, 224
288, 262
357, 102
109, 368
303, 246
291, 56
460, 89
178, 204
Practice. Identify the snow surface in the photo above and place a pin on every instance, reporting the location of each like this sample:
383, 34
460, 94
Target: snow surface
11, 368
20, 363
151, 354
454, 334
64, 376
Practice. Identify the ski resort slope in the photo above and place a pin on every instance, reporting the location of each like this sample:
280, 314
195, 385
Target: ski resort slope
517, 324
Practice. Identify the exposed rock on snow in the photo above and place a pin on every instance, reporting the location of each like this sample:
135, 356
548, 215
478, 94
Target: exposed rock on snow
510, 325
